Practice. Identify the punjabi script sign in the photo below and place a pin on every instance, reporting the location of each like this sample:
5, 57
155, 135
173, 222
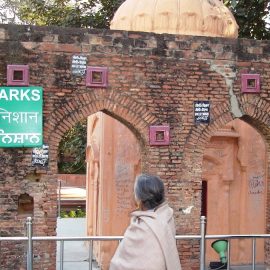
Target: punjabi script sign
21, 116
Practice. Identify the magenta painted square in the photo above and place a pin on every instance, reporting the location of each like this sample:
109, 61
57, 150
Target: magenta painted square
97, 76
250, 83
18, 75
159, 135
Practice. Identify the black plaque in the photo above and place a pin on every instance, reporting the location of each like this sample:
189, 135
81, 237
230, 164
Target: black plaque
79, 65
40, 156
202, 112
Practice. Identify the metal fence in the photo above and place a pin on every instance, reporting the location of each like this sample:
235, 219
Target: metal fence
90, 239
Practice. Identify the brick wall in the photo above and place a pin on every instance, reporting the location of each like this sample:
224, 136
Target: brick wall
153, 79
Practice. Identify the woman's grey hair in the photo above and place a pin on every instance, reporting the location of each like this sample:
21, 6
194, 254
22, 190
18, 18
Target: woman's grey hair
149, 190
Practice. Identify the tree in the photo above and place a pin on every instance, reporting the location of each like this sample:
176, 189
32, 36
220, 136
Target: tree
82, 13
71, 150
9, 11
252, 17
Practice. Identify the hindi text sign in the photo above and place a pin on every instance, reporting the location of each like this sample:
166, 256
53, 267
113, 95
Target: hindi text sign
21, 122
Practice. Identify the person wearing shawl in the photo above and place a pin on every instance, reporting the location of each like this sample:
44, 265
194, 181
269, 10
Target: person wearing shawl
149, 241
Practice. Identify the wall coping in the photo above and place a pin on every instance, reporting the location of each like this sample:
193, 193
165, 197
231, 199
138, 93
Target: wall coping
140, 43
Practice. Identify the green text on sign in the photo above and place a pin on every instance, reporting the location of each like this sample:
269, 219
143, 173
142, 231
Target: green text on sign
21, 116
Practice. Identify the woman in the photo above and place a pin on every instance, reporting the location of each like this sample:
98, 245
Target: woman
149, 241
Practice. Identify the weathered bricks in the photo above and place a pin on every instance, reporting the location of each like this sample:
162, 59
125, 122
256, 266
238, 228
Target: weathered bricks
153, 79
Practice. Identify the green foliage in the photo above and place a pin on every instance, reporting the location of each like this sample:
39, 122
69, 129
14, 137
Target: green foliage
72, 214
9, 11
82, 13
78, 213
251, 17
71, 151
64, 214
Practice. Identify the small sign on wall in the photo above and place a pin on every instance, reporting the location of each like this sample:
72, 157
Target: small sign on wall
78, 65
202, 112
40, 155
21, 116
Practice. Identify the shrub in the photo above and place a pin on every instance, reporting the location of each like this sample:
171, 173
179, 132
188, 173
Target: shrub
78, 213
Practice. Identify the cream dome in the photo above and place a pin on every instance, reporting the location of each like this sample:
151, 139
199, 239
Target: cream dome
184, 17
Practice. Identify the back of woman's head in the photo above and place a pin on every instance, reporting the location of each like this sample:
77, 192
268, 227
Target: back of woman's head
149, 191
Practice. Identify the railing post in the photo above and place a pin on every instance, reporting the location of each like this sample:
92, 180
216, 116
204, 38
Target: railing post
229, 254
59, 198
90, 254
61, 254
29, 233
202, 243
253, 253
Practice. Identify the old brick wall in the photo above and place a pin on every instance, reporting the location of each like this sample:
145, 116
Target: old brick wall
153, 79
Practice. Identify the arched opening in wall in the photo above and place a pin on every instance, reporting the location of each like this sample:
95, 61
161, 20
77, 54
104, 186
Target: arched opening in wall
72, 192
111, 155
235, 173
72, 171
25, 205
113, 161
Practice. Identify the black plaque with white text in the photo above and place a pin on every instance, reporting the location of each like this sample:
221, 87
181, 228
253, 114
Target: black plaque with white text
40, 156
79, 65
202, 112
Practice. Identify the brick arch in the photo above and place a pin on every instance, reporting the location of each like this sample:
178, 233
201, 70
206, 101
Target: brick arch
135, 116
200, 135
255, 112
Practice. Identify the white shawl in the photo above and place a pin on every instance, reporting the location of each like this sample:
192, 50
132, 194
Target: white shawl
149, 242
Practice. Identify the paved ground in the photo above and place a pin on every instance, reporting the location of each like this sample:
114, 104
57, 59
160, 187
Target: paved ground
75, 253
